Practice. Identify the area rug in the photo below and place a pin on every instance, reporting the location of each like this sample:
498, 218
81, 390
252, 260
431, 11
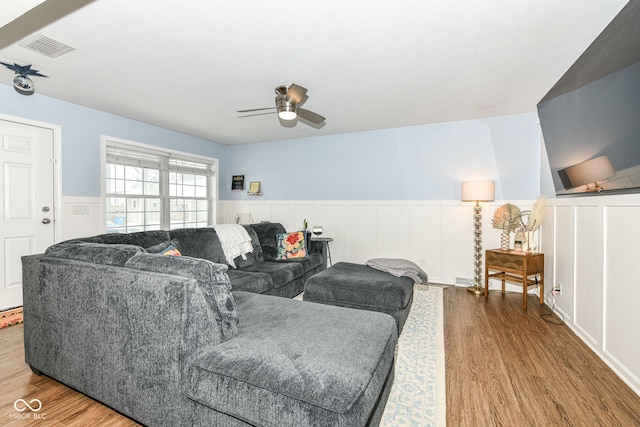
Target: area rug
10, 317
418, 395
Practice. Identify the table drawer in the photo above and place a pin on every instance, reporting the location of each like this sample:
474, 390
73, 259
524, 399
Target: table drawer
516, 262
505, 260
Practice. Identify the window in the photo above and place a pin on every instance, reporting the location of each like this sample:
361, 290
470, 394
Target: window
150, 189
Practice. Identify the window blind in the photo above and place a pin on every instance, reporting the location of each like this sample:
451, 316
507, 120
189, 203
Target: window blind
121, 154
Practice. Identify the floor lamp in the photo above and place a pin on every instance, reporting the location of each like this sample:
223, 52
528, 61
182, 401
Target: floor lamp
477, 191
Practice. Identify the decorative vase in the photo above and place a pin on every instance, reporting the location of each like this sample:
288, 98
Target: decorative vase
504, 241
519, 241
531, 242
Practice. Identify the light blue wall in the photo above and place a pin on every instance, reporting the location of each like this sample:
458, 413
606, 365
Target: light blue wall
546, 180
413, 163
81, 131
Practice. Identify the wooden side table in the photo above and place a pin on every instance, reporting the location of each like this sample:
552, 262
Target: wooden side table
514, 267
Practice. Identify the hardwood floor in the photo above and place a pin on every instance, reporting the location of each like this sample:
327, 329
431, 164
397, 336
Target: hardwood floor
61, 406
508, 367
504, 367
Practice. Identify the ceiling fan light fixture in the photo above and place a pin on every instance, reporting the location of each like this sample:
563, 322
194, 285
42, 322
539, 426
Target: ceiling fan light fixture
23, 85
287, 115
286, 110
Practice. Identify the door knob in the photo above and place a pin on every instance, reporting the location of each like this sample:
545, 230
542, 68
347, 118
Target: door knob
46, 221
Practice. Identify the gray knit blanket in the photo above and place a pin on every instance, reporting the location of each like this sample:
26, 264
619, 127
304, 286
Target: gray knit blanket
399, 267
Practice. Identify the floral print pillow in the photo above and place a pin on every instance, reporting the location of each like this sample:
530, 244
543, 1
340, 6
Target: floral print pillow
291, 245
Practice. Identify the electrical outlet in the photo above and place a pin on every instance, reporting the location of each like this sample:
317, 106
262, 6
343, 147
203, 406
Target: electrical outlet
557, 289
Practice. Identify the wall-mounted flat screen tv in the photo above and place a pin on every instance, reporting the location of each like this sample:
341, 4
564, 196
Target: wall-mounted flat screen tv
591, 118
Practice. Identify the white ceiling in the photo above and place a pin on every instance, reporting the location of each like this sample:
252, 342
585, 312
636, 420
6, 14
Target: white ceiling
11, 9
190, 65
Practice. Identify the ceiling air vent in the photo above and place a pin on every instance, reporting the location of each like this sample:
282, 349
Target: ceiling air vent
46, 45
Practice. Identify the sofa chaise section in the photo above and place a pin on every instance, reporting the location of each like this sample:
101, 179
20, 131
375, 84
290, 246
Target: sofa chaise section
299, 364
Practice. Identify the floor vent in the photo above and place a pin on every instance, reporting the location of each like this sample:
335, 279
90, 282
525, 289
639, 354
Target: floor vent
46, 45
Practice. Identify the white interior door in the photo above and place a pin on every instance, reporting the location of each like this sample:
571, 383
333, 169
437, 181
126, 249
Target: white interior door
26, 197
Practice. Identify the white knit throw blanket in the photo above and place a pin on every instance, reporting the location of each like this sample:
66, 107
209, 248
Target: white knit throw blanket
235, 241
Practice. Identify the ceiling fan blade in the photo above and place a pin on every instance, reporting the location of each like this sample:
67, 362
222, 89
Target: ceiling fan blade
310, 116
304, 99
257, 114
255, 109
295, 93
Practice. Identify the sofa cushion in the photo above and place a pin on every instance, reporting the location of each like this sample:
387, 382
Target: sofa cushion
200, 243
296, 364
280, 273
267, 232
309, 262
211, 278
97, 253
251, 257
248, 281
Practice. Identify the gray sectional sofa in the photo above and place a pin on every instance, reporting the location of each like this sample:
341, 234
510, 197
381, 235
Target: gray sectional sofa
258, 273
188, 341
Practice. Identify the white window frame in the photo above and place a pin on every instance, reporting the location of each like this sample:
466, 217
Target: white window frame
213, 182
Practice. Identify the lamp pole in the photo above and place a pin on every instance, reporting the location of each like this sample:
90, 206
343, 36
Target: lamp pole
477, 246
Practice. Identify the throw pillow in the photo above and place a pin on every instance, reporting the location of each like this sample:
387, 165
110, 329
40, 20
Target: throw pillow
171, 251
170, 247
291, 245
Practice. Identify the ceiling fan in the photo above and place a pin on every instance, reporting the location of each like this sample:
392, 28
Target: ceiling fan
288, 102
21, 82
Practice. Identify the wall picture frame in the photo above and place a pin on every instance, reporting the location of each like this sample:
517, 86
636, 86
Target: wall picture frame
237, 183
254, 188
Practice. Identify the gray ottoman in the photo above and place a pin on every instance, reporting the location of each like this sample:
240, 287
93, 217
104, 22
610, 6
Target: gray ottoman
358, 286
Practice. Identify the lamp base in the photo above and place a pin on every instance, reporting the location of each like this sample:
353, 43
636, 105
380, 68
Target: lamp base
475, 289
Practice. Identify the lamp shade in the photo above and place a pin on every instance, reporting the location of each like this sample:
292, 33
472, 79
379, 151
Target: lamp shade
590, 171
478, 191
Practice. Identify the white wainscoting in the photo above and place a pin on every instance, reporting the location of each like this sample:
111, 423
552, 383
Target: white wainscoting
80, 217
595, 258
436, 235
